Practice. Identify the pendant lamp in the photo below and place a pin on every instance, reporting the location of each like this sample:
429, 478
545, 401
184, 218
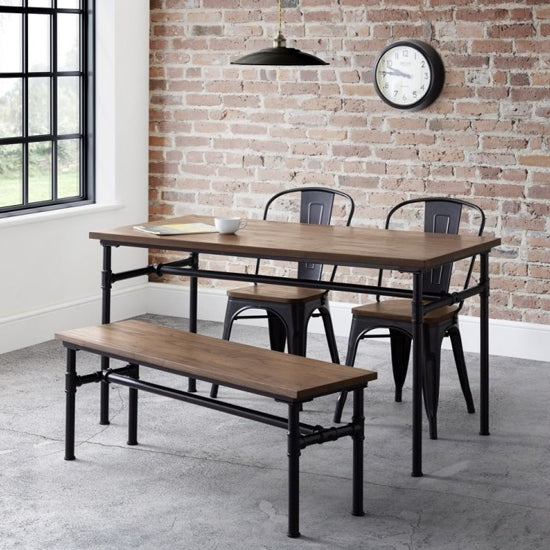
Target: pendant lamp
279, 54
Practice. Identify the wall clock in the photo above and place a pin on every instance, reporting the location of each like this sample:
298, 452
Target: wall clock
409, 74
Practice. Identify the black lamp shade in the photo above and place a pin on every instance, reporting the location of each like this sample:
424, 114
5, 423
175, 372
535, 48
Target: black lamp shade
279, 56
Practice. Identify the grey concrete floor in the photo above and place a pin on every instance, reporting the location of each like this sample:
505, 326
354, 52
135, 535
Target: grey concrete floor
200, 479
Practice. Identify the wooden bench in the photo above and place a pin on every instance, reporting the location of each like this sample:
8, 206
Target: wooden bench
287, 378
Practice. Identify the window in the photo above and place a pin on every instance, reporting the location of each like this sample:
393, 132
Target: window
46, 104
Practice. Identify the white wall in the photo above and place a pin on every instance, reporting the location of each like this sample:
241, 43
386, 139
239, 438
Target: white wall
50, 270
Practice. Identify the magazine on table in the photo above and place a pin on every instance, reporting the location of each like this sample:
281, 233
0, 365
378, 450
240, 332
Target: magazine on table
176, 228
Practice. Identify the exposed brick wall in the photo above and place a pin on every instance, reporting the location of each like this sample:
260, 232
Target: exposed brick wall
224, 138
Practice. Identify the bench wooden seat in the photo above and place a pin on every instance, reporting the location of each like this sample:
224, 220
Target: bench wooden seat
283, 377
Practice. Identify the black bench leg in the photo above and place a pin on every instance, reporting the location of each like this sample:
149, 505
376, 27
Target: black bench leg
133, 408
358, 421
70, 398
294, 470
104, 395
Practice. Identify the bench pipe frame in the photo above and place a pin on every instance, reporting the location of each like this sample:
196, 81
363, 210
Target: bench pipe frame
299, 434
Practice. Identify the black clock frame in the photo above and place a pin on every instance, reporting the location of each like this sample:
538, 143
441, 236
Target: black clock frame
437, 71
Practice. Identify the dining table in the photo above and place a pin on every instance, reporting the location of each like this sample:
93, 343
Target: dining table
413, 252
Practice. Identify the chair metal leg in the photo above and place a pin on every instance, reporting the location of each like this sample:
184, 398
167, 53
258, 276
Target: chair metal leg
458, 352
296, 323
277, 332
230, 314
431, 375
340, 406
353, 343
329, 332
400, 353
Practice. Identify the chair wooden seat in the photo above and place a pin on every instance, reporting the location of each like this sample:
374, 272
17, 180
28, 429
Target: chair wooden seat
275, 293
400, 310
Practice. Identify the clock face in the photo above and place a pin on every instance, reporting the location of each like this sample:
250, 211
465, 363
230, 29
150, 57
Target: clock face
408, 75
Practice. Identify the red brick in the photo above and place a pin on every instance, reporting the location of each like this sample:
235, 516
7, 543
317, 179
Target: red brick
539, 191
535, 160
522, 30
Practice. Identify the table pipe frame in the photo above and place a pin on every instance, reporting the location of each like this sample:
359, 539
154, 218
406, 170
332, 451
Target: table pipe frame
189, 267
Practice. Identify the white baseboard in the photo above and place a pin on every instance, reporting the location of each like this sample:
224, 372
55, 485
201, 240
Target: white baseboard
37, 326
507, 338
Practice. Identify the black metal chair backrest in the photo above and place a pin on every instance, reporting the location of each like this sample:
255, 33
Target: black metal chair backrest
316, 206
442, 215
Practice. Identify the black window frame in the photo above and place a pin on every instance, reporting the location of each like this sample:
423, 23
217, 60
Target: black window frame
86, 135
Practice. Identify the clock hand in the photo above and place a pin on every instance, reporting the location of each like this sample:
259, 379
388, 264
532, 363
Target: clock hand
396, 72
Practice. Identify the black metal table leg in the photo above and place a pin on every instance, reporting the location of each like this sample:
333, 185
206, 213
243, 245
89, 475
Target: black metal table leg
484, 345
70, 395
294, 470
193, 299
358, 420
418, 365
106, 284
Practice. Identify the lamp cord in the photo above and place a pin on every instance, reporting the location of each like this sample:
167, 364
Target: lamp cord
280, 40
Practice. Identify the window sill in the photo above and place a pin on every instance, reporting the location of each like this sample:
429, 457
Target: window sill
64, 213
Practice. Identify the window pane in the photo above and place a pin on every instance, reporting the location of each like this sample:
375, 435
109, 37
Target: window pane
39, 106
10, 43
68, 4
68, 162
39, 42
11, 175
40, 3
68, 119
10, 107
10, 2
67, 42
40, 171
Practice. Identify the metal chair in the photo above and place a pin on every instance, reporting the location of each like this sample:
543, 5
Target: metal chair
288, 309
441, 215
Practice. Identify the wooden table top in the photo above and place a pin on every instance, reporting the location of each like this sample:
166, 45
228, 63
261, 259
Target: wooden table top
351, 246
